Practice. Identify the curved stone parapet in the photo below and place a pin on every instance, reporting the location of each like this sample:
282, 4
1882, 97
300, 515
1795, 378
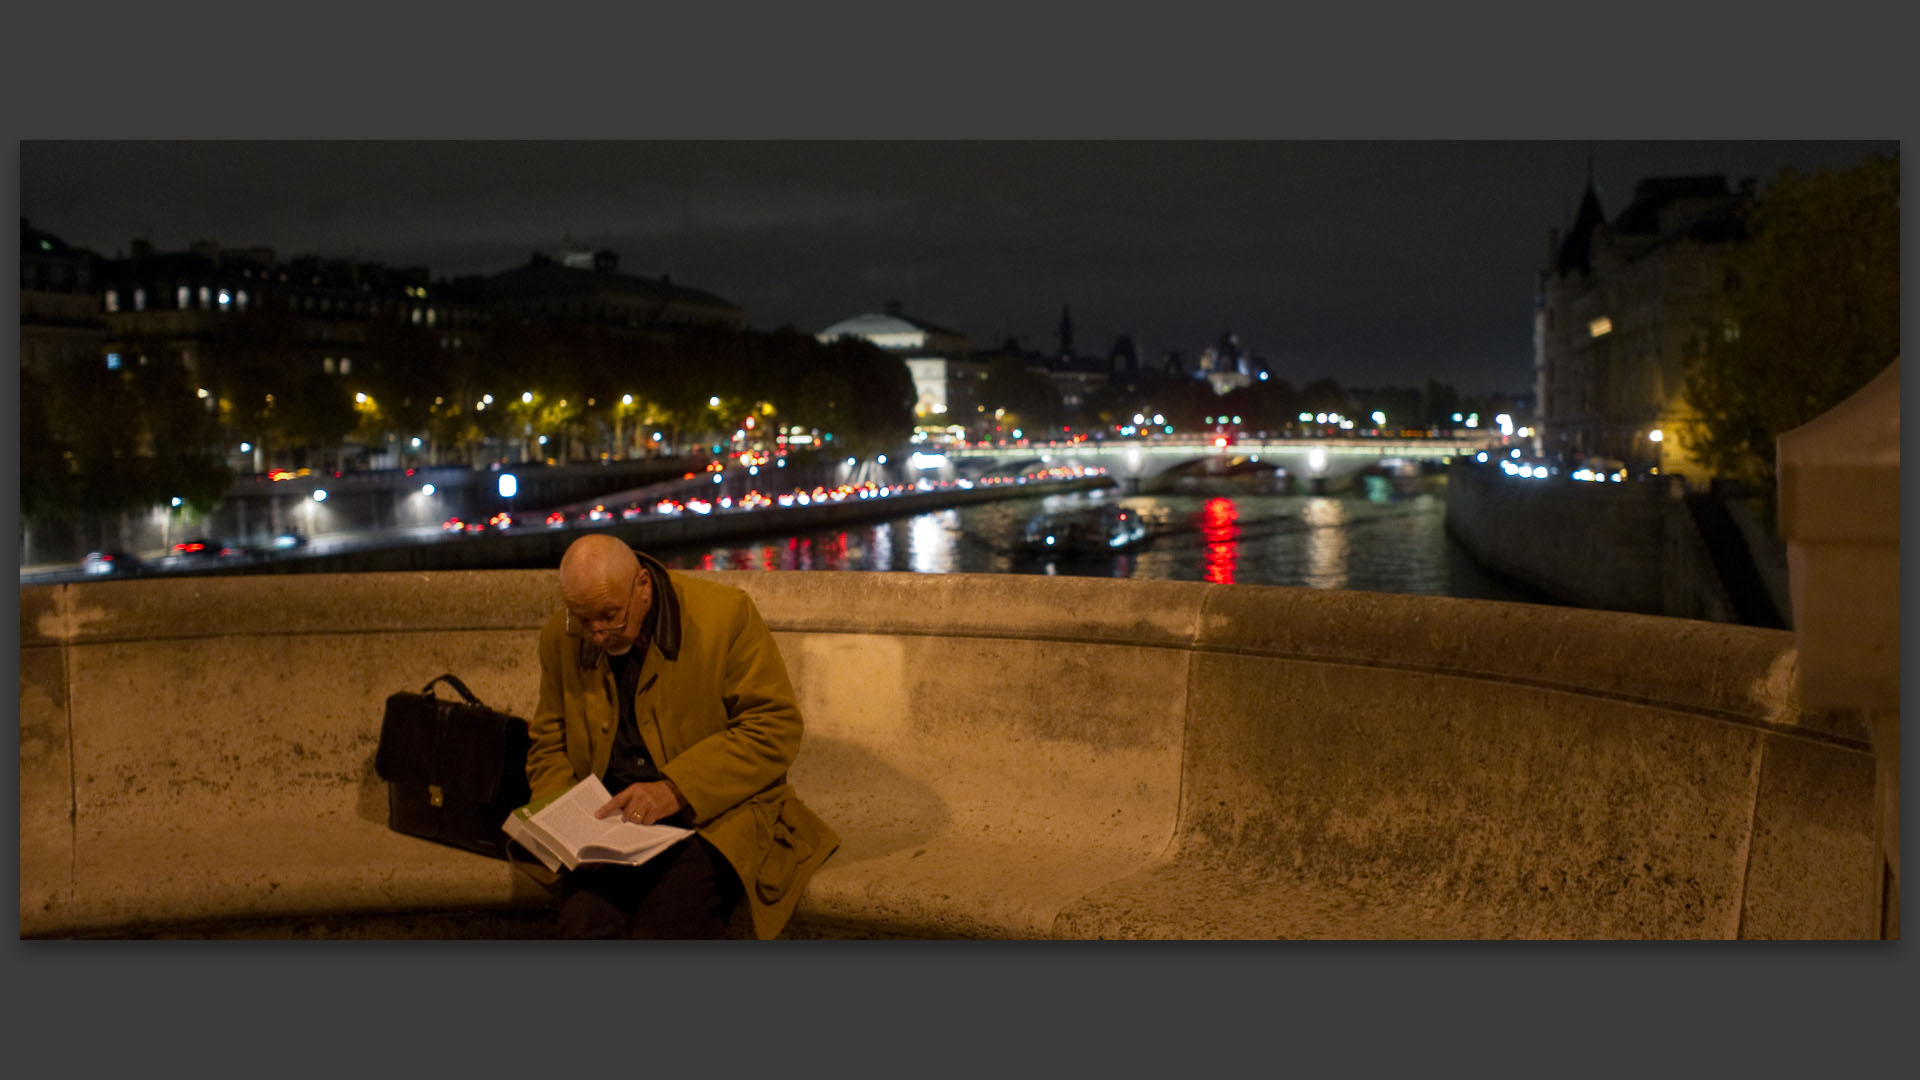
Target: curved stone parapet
1003, 756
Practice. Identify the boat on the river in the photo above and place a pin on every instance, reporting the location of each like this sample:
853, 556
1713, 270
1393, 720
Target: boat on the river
1084, 532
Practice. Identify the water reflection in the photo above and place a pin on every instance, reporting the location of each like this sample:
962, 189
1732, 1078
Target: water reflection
933, 539
1219, 532
1394, 542
1327, 538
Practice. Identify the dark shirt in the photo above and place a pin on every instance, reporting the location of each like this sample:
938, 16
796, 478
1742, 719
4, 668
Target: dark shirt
630, 763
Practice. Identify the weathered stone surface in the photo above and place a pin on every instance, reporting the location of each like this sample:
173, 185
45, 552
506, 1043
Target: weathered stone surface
46, 782
1569, 817
1811, 871
979, 783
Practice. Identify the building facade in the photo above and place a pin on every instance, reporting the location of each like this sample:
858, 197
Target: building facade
1622, 307
946, 374
60, 317
588, 287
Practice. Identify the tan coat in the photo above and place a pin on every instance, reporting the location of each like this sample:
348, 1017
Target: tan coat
717, 712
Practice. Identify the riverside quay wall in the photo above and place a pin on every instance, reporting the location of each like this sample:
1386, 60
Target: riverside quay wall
1005, 757
1637, 547
539, 547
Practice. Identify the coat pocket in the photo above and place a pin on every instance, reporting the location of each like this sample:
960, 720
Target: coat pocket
786, 851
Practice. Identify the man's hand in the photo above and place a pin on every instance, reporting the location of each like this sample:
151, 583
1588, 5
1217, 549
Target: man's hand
644, 804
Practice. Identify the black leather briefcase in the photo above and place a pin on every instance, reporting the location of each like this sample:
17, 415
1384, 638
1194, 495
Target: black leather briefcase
454, 769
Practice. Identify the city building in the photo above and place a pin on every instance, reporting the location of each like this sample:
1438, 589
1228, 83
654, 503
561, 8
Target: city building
587, 286
1227, 367
60, 317
306, 315
1622, 306
1078, 378
946, 373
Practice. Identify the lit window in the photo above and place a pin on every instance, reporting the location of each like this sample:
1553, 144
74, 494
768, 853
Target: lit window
1600, 327
139, 299
327, 365
346, 366
1730, 330
113, 361
416, 316
206, 297
240, 299
113, 300
185, 298
429, 316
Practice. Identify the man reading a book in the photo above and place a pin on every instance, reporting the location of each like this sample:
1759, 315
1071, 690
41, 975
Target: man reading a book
670, 689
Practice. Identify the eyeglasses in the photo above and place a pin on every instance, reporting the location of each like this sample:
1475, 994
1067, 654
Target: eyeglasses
593, 628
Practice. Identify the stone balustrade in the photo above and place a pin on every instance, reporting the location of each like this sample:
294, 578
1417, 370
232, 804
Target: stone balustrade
1003, 756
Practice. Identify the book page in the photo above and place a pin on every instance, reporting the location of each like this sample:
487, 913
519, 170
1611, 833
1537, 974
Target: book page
569, 821
530, 838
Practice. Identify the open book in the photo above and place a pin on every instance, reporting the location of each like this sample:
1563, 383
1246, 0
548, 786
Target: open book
565, 832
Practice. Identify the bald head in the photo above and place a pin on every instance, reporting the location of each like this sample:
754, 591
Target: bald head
596, 565
605, 592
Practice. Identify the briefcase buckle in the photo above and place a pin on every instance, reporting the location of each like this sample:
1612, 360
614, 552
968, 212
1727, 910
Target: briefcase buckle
434, 796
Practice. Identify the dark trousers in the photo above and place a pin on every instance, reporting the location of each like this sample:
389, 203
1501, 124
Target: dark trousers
688, 891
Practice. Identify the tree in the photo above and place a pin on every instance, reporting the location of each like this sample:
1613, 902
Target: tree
1440, 402
403, 372
1324, 395
1815, 316
1029, 398
44, 476
115, 442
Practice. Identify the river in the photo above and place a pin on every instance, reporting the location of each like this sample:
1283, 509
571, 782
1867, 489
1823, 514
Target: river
1383, 537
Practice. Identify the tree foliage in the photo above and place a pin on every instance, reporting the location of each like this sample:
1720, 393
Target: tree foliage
1816, 315
260, 367
1027, 398
102, 443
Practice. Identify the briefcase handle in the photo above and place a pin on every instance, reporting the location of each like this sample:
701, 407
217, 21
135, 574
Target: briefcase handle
458, 687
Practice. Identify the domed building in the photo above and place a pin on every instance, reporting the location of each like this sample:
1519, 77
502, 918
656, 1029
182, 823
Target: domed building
939, 359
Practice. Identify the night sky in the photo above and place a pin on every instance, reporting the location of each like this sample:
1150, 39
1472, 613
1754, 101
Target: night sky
1372, 262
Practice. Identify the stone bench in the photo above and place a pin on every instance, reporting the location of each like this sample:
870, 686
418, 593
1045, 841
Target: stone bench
1003, 756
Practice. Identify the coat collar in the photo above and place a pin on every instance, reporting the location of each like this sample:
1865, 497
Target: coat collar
662, 625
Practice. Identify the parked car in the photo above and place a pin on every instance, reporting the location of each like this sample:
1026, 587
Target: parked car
289, 540
109, 562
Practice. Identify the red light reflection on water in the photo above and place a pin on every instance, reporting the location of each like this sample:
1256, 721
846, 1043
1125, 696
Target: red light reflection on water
836, 552
1218, 530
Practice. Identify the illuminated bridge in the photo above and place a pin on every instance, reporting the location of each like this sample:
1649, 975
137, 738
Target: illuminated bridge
1320, 462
